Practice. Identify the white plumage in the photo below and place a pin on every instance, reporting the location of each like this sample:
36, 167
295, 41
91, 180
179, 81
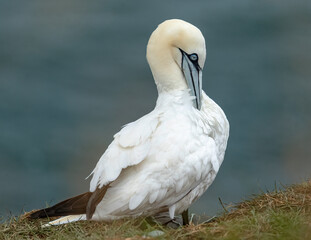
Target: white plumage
165, 160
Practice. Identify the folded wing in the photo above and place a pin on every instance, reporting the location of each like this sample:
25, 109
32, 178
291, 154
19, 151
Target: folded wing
129, 147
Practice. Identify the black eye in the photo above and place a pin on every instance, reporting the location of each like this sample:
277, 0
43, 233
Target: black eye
193, 57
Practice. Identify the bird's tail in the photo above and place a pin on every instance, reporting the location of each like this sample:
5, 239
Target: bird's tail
66, 219
81, 207
72, 206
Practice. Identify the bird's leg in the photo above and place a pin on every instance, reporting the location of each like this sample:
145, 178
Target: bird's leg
185, 217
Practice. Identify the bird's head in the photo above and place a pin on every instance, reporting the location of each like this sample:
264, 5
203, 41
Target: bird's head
176, 55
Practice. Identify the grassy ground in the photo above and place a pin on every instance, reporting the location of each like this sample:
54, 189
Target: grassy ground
276, 215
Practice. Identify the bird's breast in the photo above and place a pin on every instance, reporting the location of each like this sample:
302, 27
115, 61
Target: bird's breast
182, 143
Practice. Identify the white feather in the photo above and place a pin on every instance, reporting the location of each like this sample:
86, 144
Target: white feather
172, 211
153, 196
66, 219
136, 200
179, 185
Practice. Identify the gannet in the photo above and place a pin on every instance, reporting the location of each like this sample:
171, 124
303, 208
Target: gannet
167, 159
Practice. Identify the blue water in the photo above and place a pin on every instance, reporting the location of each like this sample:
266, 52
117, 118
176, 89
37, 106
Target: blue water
73, 72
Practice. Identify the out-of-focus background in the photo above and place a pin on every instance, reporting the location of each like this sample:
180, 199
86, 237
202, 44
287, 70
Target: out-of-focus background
73, 72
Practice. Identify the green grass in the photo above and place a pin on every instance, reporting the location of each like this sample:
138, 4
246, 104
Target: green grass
276, 215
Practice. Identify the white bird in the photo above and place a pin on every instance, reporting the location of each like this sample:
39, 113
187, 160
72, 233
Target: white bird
167, 159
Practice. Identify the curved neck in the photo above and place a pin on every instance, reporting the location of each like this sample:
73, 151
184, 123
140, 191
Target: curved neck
165, 70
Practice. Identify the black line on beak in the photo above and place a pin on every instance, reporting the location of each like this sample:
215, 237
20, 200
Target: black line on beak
198, 68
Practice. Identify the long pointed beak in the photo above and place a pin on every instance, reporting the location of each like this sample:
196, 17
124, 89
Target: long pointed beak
193, 76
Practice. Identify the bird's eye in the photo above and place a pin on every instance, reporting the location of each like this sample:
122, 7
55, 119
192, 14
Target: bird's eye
193, 57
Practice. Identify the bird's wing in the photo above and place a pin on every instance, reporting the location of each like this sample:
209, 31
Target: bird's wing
163, 183
129, 147
177, 162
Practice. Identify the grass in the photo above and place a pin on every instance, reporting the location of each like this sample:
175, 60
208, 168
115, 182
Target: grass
282, 215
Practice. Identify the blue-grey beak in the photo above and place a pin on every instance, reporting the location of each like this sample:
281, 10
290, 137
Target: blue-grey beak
193, 76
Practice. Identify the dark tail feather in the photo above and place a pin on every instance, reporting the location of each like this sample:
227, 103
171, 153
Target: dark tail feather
71, 206
95, 199
82, 204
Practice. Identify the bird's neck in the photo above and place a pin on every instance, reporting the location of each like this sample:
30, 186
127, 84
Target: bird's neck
178, 98
166, 72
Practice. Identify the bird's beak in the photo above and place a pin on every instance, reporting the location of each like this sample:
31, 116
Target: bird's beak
193, 76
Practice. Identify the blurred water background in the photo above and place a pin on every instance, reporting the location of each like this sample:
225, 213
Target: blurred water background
73, 72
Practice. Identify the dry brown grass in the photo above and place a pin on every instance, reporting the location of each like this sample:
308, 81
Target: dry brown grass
275, 215
292, 197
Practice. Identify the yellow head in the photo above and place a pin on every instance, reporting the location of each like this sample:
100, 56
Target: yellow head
176, 55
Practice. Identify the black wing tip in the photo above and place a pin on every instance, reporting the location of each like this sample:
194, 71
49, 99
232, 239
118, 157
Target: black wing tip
71, 206
36, 214
82, 204
42, 213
